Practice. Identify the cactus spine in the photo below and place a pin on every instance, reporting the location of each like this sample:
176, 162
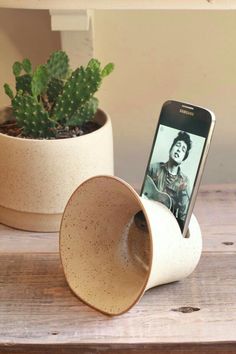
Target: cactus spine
31, 116
52, 96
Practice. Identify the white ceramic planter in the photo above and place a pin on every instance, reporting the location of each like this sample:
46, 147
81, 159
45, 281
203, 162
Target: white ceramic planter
37, 177
108, 261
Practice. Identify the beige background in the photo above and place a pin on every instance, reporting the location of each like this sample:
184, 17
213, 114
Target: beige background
184, 55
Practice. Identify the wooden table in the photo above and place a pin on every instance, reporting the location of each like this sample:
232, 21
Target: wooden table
39, 314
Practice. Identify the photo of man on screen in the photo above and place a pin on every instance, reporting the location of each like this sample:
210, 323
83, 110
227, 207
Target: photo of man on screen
166, 182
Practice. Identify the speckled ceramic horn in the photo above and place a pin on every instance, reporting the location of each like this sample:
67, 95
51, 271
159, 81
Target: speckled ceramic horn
111, 256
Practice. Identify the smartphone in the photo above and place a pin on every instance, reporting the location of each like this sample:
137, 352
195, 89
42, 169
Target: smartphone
178, 155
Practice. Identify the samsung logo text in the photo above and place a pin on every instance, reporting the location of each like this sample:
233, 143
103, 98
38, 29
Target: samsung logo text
186, 112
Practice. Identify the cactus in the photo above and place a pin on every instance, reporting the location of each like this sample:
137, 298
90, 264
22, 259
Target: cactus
108, 69
27, 66
58, 65
31, 116
52, 96
16, 68
8, 91
55, 87
23, 83
39, 81
84, 113
79, 88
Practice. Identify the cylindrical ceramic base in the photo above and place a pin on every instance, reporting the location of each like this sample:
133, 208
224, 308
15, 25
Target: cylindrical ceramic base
30, 221
111, 256
38, 176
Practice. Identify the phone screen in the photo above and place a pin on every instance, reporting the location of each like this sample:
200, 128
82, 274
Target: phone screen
176, 157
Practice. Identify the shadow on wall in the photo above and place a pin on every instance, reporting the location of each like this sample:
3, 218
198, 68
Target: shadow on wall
24, 33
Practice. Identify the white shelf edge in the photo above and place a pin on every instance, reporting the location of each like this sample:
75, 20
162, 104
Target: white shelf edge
120, 4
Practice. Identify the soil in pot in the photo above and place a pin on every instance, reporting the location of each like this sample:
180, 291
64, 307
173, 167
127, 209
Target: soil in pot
9, 127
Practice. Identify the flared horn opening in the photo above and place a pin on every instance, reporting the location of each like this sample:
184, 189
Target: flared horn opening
105, 245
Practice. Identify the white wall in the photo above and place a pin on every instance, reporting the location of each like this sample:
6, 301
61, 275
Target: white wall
23, 34
184, 55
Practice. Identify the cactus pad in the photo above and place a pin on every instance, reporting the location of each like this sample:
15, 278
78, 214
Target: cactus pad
16, 68
32, 118
58, 65
23, 83
79, 88
39, 81
84, 113
27, 66
55, 87
8, 91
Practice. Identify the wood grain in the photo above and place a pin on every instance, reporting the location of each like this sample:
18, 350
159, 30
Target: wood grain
215, 210
216, 206
22, 241
213, 240
39, 314
180, 348
36, 303
10, 241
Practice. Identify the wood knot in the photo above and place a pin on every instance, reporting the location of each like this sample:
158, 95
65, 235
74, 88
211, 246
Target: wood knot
186, 309
228, 243
54, 333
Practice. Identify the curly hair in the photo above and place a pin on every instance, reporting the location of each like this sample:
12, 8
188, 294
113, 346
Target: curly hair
183, 136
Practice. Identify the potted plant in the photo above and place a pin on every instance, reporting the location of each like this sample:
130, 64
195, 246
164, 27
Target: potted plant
52, 138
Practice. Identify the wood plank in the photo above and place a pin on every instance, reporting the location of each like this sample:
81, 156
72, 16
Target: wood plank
215, 210
37, 308
215, 239
12, 240
218, 238
206, 348
216, 205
